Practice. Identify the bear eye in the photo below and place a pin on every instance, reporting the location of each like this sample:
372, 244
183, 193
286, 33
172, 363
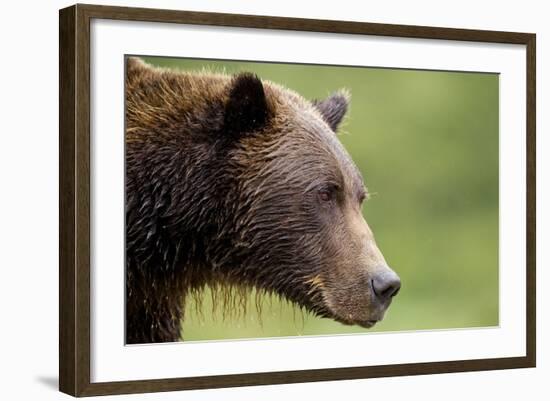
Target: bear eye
327, 194
324, 195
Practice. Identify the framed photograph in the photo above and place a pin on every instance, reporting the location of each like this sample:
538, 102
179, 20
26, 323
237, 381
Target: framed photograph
250, 200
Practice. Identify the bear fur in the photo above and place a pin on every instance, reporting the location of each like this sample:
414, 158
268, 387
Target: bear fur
240, 182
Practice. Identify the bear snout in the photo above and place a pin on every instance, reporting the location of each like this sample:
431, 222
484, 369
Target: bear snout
385, 285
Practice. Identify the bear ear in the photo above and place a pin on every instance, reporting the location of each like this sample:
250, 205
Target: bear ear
334, 108
246, 108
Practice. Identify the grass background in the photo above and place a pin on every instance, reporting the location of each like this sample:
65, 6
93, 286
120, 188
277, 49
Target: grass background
426, 143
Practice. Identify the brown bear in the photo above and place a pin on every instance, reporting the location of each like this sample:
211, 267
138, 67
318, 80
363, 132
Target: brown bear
239, 181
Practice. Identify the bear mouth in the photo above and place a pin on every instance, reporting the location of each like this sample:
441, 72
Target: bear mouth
367, 324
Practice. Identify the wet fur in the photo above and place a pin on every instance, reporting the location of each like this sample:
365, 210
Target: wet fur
217, 194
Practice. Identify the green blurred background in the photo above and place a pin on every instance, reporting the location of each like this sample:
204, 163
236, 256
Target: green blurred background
427, 145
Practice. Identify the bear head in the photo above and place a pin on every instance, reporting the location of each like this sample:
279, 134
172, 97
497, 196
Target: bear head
281, 207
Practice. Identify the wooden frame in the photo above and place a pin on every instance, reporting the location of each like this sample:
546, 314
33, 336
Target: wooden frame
74, 200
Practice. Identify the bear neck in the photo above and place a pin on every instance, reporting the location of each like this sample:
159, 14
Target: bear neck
180, 214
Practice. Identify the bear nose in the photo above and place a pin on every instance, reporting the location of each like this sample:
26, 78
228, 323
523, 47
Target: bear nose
386, 284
